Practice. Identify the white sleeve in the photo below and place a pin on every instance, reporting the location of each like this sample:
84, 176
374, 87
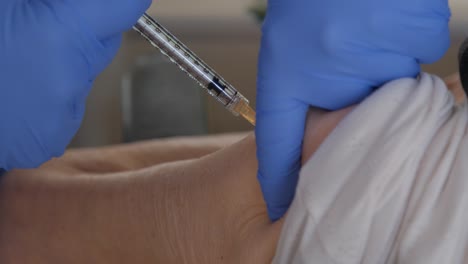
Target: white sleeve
389, 185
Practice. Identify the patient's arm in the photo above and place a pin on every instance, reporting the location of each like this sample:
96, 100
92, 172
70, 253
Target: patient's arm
206, 210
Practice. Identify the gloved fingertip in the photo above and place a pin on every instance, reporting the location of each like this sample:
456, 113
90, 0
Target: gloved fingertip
278, 191
276, 212
279, 134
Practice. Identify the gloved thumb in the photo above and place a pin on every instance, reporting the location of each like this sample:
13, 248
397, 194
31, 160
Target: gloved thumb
279, 134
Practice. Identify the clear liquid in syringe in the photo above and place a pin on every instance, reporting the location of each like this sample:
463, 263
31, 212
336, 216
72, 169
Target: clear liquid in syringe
186, 60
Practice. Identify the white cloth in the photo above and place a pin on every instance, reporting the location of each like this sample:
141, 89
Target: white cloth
389, 184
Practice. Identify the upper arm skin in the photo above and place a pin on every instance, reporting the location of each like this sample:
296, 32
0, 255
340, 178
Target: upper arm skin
205, 210
217, 213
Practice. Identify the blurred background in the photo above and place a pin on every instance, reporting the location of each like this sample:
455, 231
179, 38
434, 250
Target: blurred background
142, 95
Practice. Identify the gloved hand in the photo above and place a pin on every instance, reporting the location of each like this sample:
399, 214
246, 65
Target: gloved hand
50, 53
332, 54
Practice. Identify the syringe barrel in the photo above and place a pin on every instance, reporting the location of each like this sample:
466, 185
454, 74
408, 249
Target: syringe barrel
178, 53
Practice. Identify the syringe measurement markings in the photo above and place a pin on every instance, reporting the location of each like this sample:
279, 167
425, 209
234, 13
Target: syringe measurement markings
174, 54
215, 83
187, 52
178, 51
200, 71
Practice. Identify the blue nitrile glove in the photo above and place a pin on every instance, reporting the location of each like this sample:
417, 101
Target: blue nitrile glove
50, 53
332, 54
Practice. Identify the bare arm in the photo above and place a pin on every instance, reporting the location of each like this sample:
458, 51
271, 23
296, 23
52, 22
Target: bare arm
208, 210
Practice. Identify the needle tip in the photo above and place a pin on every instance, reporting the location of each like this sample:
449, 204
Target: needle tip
248, 113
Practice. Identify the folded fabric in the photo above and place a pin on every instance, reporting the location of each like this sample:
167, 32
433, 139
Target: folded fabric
388, 185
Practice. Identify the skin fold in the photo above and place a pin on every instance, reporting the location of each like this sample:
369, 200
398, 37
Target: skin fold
182, 200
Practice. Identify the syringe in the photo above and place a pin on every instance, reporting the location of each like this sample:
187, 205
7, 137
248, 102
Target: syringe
188, 62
